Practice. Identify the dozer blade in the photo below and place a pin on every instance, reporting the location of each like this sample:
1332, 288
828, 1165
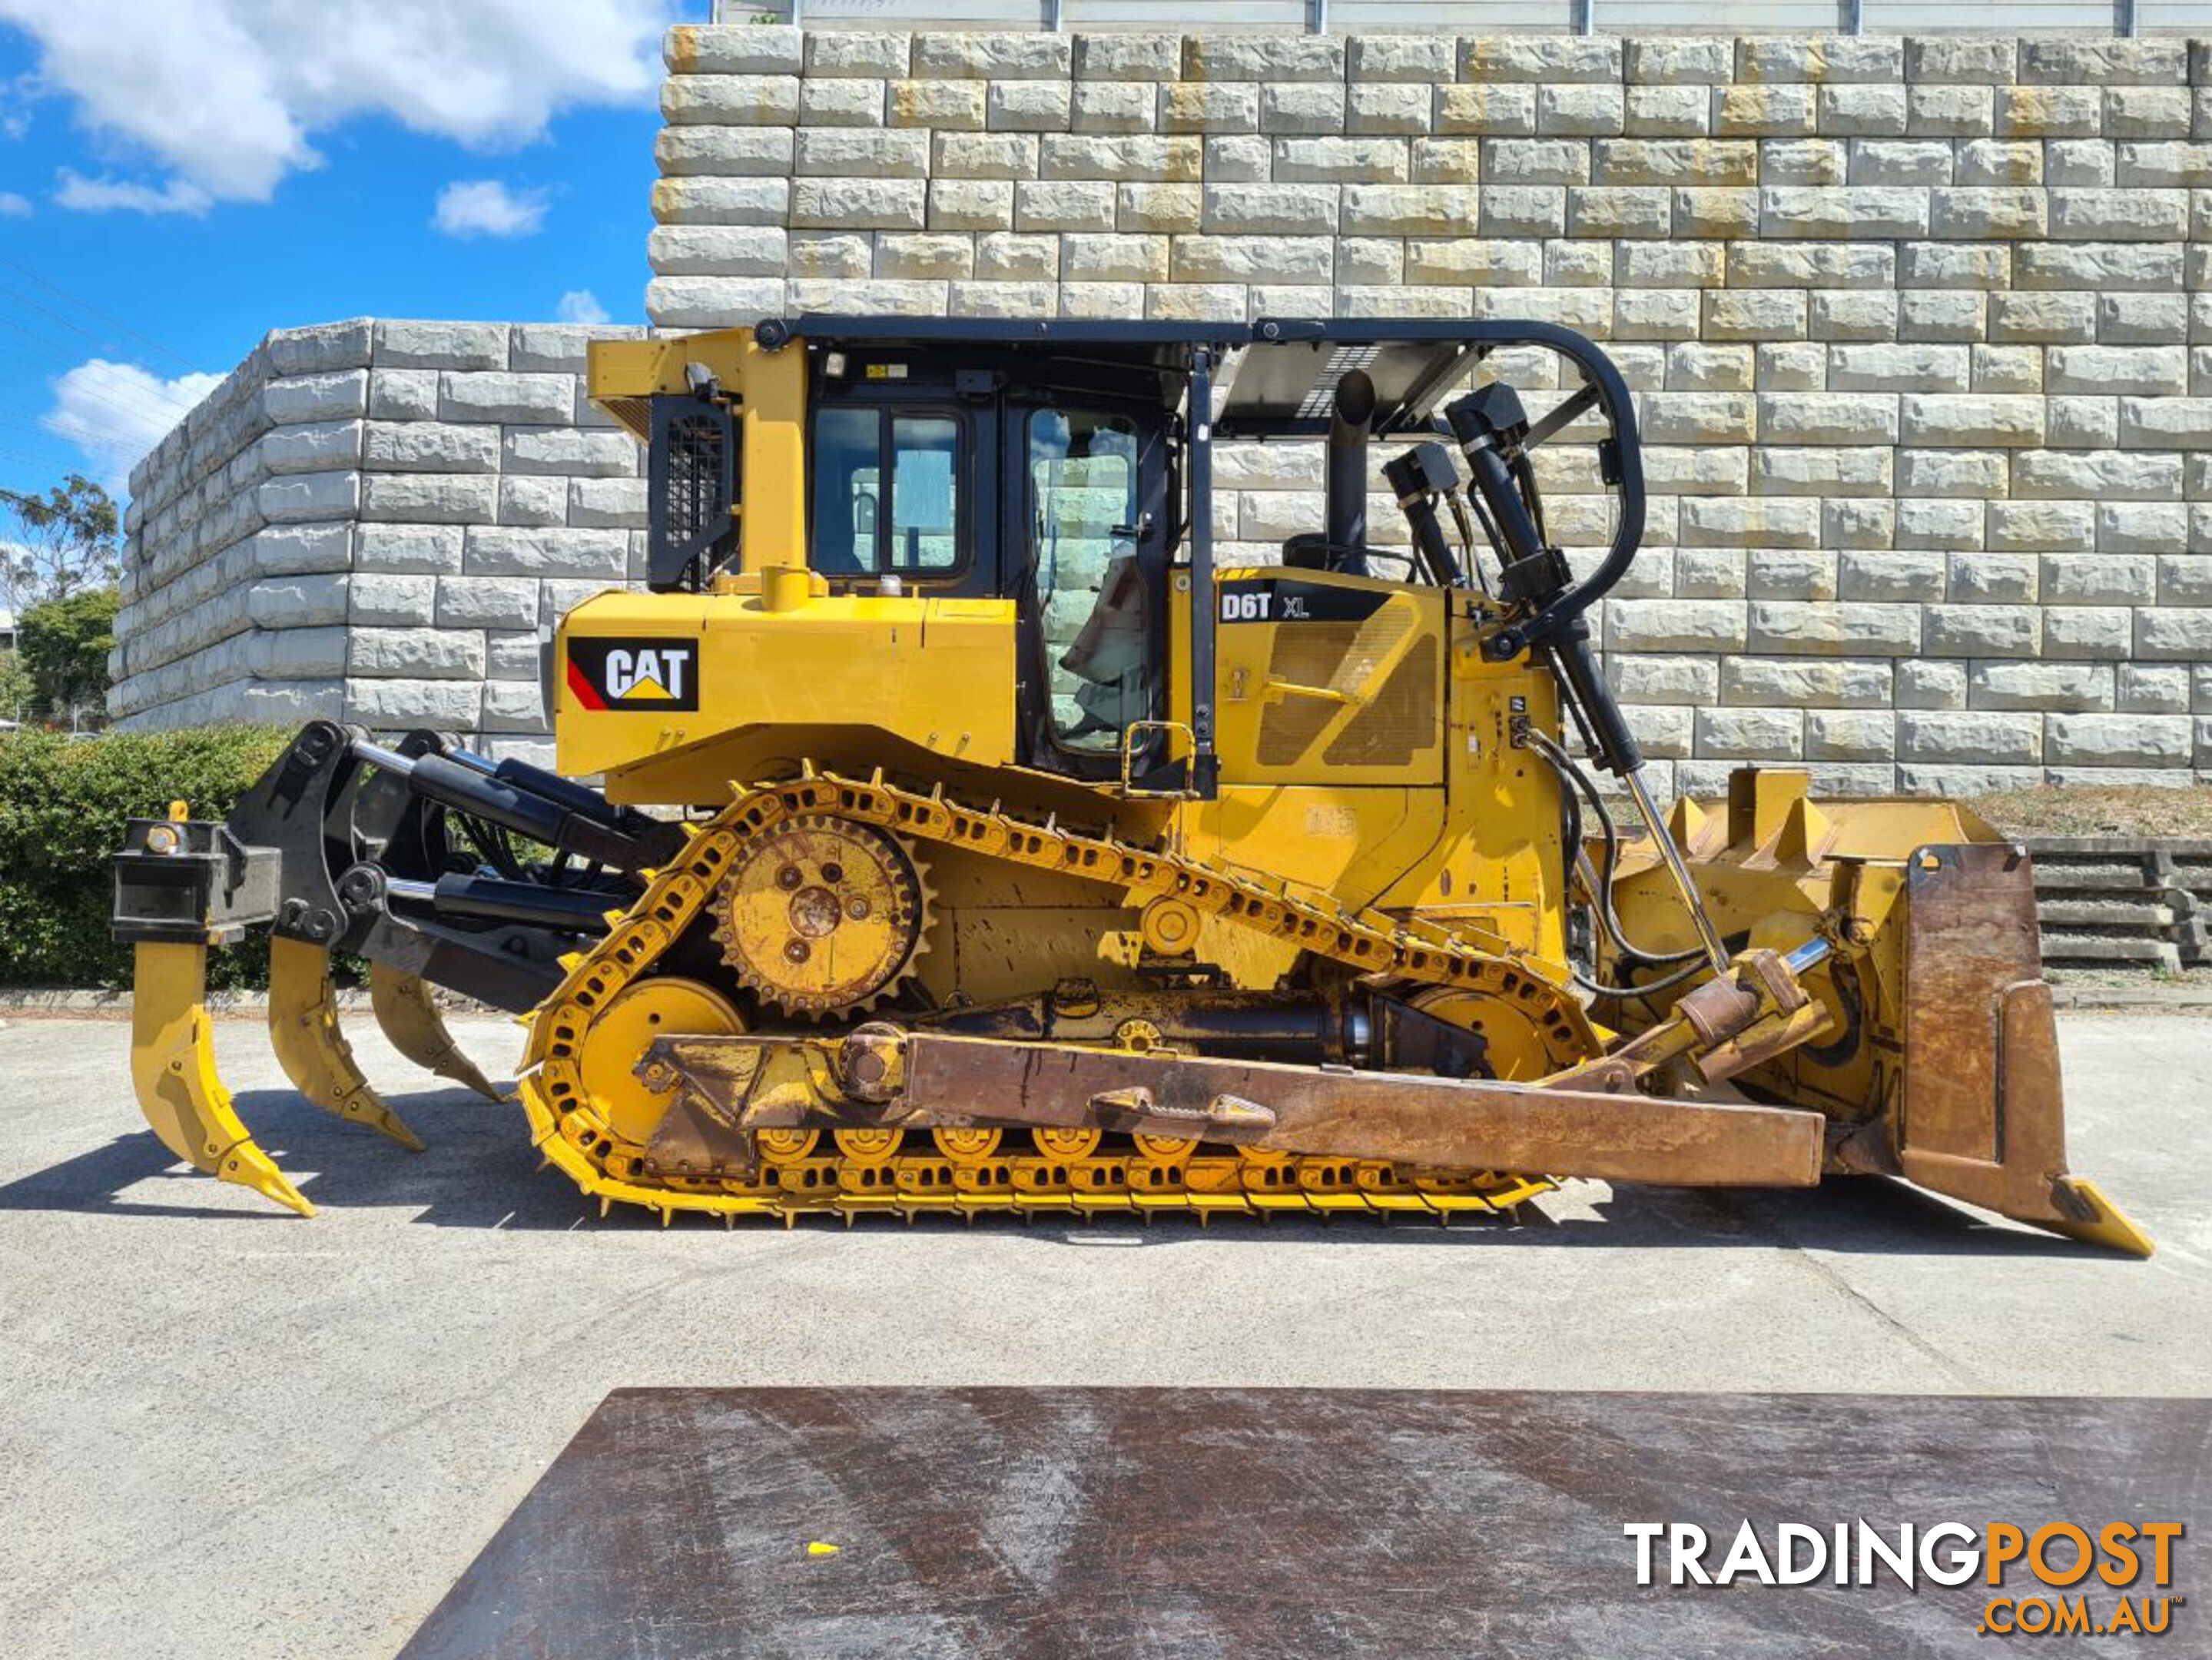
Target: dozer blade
884, 1077
172, 1067
1940, 1064
303, 1028
1982, 1116
411, 1021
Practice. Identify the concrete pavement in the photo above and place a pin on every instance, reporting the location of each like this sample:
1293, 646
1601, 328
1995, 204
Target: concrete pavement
230, 1432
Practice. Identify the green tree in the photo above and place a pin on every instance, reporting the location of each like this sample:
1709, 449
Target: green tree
65, 644
59, 543
17, 694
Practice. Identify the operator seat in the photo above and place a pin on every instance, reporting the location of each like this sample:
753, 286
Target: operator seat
1109, 649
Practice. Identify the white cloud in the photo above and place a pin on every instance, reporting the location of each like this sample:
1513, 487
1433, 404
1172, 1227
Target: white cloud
485, 207
13, 206
15, 97
115, 412
225, 93
105, 195
581, 306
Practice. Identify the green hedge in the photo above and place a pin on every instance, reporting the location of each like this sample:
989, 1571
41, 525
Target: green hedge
63, 805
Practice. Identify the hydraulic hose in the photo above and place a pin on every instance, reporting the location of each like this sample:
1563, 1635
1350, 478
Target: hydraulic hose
1573, 779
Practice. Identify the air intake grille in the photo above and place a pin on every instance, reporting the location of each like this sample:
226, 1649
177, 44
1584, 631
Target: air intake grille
1323, 654
694, 477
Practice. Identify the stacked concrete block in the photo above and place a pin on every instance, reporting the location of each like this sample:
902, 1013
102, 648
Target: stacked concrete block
1920, 329
2105, 901
371, 521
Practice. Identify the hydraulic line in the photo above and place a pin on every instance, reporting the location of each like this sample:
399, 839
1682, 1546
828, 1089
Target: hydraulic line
1458, 504
1686, 884
1574, 779
1572, 814
1680, 977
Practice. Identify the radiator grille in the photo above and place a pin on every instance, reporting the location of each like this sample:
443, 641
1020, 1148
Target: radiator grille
1326, 654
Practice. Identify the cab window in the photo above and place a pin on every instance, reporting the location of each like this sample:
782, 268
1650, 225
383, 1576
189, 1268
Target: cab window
1091, 593
886, 493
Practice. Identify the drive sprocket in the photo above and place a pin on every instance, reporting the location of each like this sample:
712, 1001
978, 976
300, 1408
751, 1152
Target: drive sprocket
820, 915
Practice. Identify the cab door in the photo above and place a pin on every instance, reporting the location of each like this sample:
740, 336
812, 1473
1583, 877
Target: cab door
1083, 552
898, 470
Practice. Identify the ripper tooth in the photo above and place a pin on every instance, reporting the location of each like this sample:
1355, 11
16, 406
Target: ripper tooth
412, 1024
303, 1029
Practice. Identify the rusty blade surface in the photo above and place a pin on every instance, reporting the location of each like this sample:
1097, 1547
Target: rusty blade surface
1455, 1123
1332, 1112
1970, 935
1983, 1117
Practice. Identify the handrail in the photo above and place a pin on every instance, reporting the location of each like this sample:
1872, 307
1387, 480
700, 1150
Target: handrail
1613, 403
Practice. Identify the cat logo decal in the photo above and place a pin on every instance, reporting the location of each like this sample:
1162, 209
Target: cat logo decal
635, 674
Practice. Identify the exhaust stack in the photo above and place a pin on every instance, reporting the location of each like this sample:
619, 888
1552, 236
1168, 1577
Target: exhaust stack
1350, 414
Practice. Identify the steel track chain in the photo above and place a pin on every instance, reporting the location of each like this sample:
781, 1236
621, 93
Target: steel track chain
572, 1135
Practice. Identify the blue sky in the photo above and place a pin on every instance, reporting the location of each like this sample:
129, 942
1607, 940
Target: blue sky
156, 218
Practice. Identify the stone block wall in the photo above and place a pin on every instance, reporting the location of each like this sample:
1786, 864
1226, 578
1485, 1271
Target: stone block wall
371, 521
1921, 328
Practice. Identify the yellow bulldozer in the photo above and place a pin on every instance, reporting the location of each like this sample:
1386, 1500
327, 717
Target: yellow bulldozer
968, 838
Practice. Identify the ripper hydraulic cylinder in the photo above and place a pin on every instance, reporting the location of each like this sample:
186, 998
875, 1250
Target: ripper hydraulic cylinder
514, 806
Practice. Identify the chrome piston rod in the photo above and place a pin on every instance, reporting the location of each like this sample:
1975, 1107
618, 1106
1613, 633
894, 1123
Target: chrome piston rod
1708, 938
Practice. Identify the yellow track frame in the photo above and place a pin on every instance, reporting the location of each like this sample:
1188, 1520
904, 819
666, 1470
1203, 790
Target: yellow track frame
573, 1131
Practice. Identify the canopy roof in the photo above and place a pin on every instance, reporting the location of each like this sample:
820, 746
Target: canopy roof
1280, 374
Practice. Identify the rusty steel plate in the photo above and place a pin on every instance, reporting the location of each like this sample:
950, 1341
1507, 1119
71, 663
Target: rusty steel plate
1971, 934
1056, 1522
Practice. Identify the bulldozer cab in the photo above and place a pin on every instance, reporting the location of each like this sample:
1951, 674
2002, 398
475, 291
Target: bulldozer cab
964, 473
1065, 469
933, 474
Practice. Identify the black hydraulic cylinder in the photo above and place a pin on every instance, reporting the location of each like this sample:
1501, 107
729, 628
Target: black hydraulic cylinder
580, 799
1613, 745
511, 806
491, 898
1430, 540
1487, 421
1501, 495
577, 798
1351, 413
